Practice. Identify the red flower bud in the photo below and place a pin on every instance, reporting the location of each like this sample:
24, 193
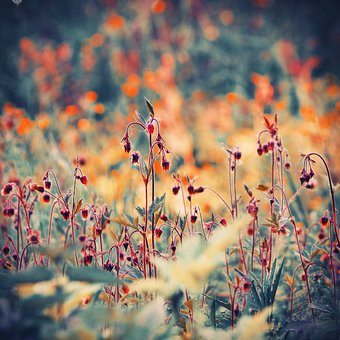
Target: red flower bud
324, 220
65, 214
164, 218
223, 222
191, 189
7, 189
83, 180
84, 214
193, 218
5, 250
199, 190
175, 189
125, 289
47, 184
150, 128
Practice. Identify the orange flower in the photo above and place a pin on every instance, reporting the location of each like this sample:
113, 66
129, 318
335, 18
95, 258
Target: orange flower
131, 87
24, 126
227, 17
43, 122
97, 40
158, 7
115, 22
99, 108
231, 97
84, 125
91, 96
71, 110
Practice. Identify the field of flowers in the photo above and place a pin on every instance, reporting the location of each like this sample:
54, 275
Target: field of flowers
169, 170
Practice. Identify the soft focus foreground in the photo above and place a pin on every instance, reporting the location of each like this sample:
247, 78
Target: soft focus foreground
206, 211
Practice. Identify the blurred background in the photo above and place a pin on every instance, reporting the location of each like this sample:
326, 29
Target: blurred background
72, 74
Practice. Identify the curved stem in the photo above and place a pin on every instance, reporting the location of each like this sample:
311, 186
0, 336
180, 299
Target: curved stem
221, 198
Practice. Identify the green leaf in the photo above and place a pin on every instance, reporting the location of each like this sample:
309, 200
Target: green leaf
276, 282
90, 274
212, 313
36, 274
157, 204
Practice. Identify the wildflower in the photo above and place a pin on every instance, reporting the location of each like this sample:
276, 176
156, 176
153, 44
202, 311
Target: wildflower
6, 189
199, 190
191, 189
311, 184
304, 177
165, 164
135, 157
108, 265
303, 278
127, 144
246, 286
47, 184
287, 165
324, 220
250, 231
8, 212
84, 214
321, 235
223, 221
193, 218
175, 189
82, 238
260, 150
33, 237
84, 180
65, 214
87, 260
46, 198
173, 246
265, 148
237, 153
158, 232
164, 218
5, 250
